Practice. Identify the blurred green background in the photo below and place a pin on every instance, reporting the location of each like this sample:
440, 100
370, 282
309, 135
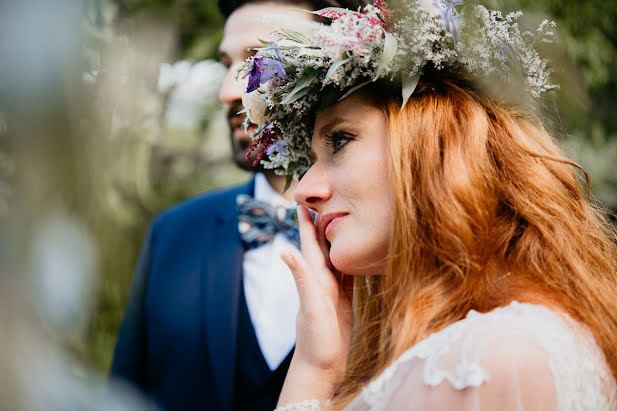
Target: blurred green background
142, 152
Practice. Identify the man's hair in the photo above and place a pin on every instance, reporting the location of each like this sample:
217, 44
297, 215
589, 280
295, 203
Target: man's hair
228, 6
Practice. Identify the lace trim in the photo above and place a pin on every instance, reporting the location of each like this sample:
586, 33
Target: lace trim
306, 405
578, 386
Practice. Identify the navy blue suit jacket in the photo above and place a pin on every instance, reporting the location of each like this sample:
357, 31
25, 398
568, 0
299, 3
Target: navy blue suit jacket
177, 342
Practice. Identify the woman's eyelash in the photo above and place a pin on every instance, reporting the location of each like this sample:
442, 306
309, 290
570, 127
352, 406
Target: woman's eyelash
338, 139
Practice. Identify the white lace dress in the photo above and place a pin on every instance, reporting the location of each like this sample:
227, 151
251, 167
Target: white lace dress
519, 357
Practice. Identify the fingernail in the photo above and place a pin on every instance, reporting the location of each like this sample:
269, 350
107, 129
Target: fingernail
311, 211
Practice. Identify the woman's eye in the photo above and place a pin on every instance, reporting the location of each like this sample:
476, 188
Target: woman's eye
337, 140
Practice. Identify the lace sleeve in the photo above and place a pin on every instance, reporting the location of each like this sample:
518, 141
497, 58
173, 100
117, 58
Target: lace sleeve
306, 405
514, 374
520, 357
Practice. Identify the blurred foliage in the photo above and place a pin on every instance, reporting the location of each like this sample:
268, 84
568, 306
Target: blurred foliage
146, 163
198, 23
146, 166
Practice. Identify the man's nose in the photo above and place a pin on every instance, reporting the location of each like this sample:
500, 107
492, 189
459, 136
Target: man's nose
313, 189
232, 89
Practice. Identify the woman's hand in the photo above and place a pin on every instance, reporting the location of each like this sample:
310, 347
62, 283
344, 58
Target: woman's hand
325, 318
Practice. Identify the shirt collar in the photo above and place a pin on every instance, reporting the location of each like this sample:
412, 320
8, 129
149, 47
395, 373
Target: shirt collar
265, 192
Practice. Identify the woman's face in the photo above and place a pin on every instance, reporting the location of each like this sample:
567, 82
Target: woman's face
348, 185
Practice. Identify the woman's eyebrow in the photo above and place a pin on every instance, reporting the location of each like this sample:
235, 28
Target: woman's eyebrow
326, 128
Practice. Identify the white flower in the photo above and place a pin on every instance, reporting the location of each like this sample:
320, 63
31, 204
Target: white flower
256, 106
192, 89
430, 7
172, 75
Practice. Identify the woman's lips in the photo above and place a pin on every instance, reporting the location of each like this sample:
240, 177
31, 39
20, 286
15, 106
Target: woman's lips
331, 220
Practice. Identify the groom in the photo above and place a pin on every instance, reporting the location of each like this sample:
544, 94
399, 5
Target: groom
210, 320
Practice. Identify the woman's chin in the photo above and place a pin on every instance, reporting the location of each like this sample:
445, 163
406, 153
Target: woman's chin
348, 264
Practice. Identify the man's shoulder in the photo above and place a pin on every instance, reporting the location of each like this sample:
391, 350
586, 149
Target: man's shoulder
203, 206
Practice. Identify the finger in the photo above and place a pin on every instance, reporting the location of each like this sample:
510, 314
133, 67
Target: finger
306, 284
324, 245
309, 243
292, 261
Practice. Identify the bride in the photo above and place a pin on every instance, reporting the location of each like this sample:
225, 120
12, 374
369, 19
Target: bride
454, 262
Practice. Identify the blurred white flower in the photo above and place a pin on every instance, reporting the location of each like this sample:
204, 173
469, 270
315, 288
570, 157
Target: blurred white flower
172, 75
256, 105
63, 261
192, 90
429, 5
89, 77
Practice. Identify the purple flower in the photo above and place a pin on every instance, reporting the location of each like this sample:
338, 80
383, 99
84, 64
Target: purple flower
272, 52
262, 68
279, 146
270, 67
448, 16
254, 75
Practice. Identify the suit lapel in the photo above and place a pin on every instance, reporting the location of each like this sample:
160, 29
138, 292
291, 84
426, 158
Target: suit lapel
222, 278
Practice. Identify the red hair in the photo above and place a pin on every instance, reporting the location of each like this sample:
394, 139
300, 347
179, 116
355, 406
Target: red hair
487, 210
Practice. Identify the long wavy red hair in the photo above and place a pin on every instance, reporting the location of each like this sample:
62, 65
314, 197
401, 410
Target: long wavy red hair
487, 210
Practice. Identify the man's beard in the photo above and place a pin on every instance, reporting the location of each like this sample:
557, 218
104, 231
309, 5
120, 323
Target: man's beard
240, 146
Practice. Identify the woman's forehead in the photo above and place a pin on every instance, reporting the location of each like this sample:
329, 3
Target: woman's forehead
353, 108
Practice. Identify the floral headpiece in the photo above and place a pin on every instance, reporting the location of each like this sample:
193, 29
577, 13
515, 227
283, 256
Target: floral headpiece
292, 78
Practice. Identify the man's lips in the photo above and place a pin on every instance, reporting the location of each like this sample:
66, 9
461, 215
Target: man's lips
240, 132
235, 123
331, 220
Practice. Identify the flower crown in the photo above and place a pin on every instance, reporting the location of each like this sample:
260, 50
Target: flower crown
290, 79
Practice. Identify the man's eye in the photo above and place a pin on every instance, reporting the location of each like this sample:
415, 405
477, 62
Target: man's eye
337, 140
225, 62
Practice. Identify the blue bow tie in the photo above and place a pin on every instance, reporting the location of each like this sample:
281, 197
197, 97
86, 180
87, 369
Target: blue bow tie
258, 222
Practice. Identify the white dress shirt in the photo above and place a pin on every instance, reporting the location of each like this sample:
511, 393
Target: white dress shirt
269, 287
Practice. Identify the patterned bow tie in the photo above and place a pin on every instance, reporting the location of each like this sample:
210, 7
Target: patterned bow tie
258, 222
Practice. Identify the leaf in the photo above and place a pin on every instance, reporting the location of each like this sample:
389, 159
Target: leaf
390, 46
285, 48
264, 42
334, 66
409, 85
295, 36
305, 80
304, 11
354, 89
297, 96
288, 179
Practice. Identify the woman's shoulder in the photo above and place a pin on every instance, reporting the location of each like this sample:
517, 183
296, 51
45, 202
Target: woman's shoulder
520, 348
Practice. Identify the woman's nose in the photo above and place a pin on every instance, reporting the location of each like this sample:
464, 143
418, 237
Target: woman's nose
313, 189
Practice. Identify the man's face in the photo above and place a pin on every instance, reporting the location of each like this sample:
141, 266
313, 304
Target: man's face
242, 33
